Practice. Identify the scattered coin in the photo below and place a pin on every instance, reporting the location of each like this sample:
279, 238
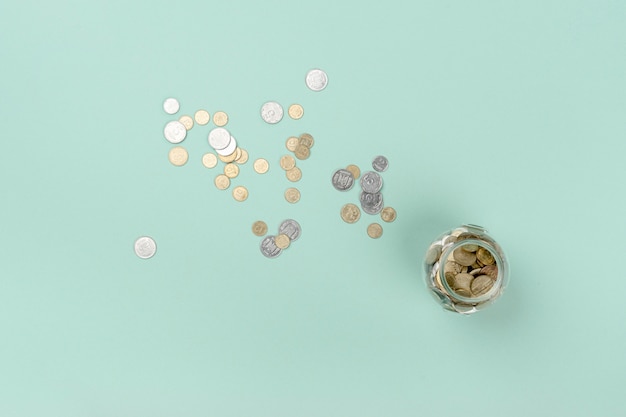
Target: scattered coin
302, 152
187, 121
145, 247
350, 213
231, 170
171, 106
178, 156
202, 117
243, 158
295, 111
282, 241
219, 138
222, 182
291, 228
306, 140
380, 163
220, 118
175, 132
354, 170
371, 203
342, 180
269, 248
240, 193
371, 182
316, 80
209, 160
292, 195
388, 214
272, 112
261, 166
292, 143
259, 228
229, 149
374, 230
294, 174
287, 162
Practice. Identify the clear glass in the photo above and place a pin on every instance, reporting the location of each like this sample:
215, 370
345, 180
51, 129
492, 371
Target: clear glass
466, 269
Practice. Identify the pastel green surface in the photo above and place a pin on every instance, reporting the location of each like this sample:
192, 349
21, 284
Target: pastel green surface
506, 114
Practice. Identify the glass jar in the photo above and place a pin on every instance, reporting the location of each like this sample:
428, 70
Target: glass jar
466, 269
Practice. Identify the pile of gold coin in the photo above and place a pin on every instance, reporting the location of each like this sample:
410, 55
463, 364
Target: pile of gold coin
470, 270
273, 245
301, 148
370, 197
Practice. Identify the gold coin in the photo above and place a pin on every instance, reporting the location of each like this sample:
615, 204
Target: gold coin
222, 182
187, 121
178, 156
231, 170
259, 228
261, 166
220, 118
202, 117
292, 195
350, 213
240, 193
306, 140
354, 170
209, 160
374, 230
295, 111
287, 162
243, 158
302, 152
388, 214
294, 174
282, 241
292, 143
228, 158
238, 153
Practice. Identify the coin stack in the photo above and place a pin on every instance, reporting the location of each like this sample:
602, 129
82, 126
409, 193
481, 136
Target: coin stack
301, 148
175, 132
273, 245
463, 268
370, 198
225, 145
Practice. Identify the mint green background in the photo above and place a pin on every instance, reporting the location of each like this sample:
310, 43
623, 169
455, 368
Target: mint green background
506, 114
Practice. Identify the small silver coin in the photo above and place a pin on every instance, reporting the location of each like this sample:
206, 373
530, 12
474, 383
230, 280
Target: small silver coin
380, 163
343, 180
232, 147
291, 228
175, 132
316, 80
171, 105
371, 182
145, 247
272, 112
219, 138
269, 248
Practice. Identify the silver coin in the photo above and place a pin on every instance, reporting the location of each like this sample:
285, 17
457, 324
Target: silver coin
342, 180
269, 248
175, 132
145, 247
371, 182
291, 228
316, 80
219, 138
380, 163
272, 112
171, 106
232, 147
371, 200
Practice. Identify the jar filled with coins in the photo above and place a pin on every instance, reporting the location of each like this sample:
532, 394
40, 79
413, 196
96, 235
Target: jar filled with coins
466, 269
